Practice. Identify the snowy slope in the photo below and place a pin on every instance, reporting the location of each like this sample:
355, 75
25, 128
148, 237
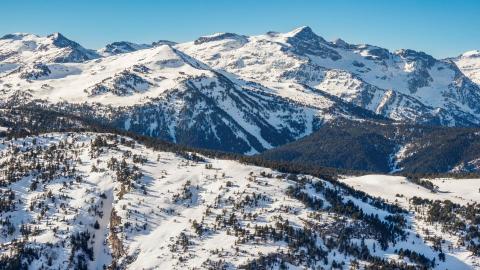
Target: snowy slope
400, 190
461, 191
95, 200
160, 69
469, 64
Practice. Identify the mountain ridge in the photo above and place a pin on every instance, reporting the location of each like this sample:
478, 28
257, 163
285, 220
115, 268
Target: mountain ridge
246, 94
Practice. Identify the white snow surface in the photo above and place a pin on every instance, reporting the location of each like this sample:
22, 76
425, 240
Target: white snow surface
462, 191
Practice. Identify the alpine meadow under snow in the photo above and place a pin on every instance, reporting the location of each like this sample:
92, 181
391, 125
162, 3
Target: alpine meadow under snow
275, 151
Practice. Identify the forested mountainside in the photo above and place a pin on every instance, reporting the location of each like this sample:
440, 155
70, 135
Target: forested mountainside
383, 147
387, 148
93, 201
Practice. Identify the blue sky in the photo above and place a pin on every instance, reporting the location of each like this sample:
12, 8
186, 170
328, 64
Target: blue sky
439, 27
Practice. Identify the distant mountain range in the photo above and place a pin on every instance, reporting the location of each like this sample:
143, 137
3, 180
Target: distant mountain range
237, 93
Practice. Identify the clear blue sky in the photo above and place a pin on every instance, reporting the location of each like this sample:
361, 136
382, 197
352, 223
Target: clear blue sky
439, 27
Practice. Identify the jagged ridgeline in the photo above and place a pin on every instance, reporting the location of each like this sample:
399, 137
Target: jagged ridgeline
93, 200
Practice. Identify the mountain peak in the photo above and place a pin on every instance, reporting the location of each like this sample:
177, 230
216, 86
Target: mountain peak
163, 42
304, 33
471, 54
119, 47
220, 36
415, 55
61, 41
302, 30
340, 43
56, 35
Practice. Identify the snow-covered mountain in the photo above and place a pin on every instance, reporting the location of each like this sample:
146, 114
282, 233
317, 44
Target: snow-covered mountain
402, 85
85, 195
121, 47
233, 92
103, 201
163, 92
469, 64
19, 49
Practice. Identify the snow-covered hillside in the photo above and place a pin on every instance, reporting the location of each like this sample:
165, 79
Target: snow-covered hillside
461, 191
91, 201
440, 205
